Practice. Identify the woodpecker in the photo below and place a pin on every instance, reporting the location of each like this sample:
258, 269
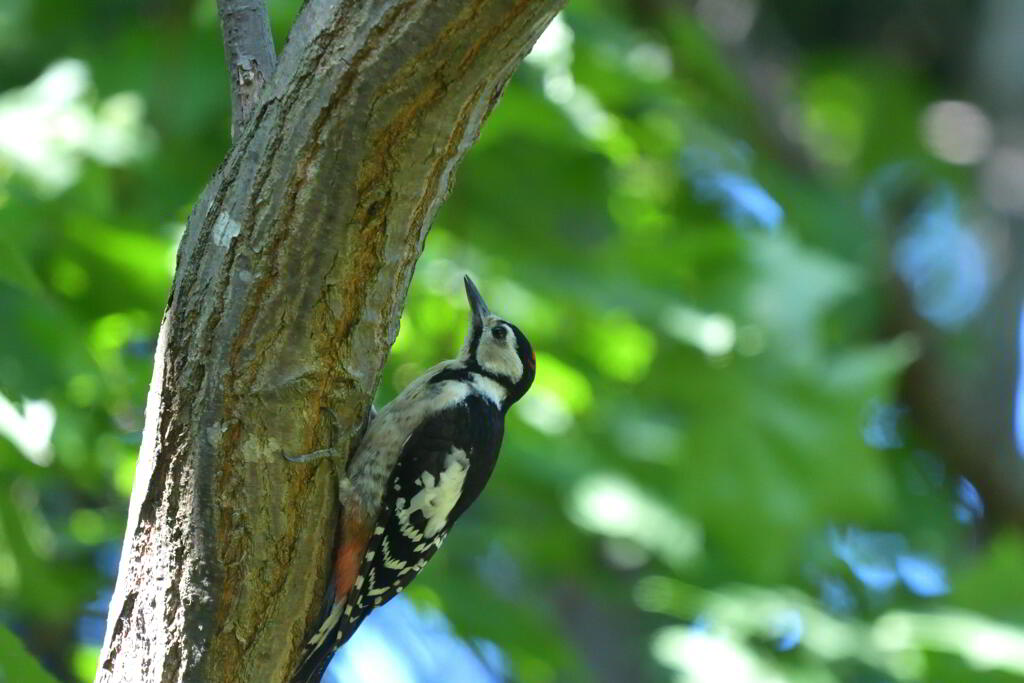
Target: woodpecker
424, 459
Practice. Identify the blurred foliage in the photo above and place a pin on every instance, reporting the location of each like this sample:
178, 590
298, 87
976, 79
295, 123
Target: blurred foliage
712, 479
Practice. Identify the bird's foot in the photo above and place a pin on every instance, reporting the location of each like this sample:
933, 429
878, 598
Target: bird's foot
314, 456
329, 452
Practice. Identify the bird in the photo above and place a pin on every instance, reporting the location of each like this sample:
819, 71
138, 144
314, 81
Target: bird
423, 460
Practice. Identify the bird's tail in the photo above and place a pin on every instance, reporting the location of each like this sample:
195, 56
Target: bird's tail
336, 627
320, 648
312, 670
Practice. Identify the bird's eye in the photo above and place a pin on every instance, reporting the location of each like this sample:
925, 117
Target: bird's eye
498, 332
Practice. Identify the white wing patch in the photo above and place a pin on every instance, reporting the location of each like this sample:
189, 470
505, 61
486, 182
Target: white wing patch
449, 393
435, 499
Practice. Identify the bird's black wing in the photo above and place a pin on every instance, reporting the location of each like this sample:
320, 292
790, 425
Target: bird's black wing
443, 467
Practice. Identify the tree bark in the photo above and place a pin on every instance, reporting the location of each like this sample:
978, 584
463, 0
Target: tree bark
290, 280
249, 54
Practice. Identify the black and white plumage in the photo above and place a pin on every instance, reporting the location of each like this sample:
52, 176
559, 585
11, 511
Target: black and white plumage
423, 461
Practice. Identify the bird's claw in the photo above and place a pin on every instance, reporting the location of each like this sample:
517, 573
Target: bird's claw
312, 457
332, 450
329, 452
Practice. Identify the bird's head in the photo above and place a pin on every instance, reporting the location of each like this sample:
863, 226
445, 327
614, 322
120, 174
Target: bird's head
497, 349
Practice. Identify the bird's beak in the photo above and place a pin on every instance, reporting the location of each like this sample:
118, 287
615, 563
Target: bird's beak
476, 304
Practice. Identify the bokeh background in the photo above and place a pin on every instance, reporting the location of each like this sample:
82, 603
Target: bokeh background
769, 253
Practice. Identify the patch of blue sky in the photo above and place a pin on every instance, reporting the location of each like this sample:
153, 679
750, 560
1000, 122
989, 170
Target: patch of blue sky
1018, 398
943, 263
401, 643
718, 171
881, 560
743, 200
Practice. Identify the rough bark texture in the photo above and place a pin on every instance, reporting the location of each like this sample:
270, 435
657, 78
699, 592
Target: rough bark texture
249, 54
291, 277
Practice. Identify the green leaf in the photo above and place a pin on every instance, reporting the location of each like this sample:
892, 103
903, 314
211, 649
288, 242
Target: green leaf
16, 270
16, 664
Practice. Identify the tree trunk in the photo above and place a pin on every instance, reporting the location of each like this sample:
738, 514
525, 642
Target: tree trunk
290, 280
